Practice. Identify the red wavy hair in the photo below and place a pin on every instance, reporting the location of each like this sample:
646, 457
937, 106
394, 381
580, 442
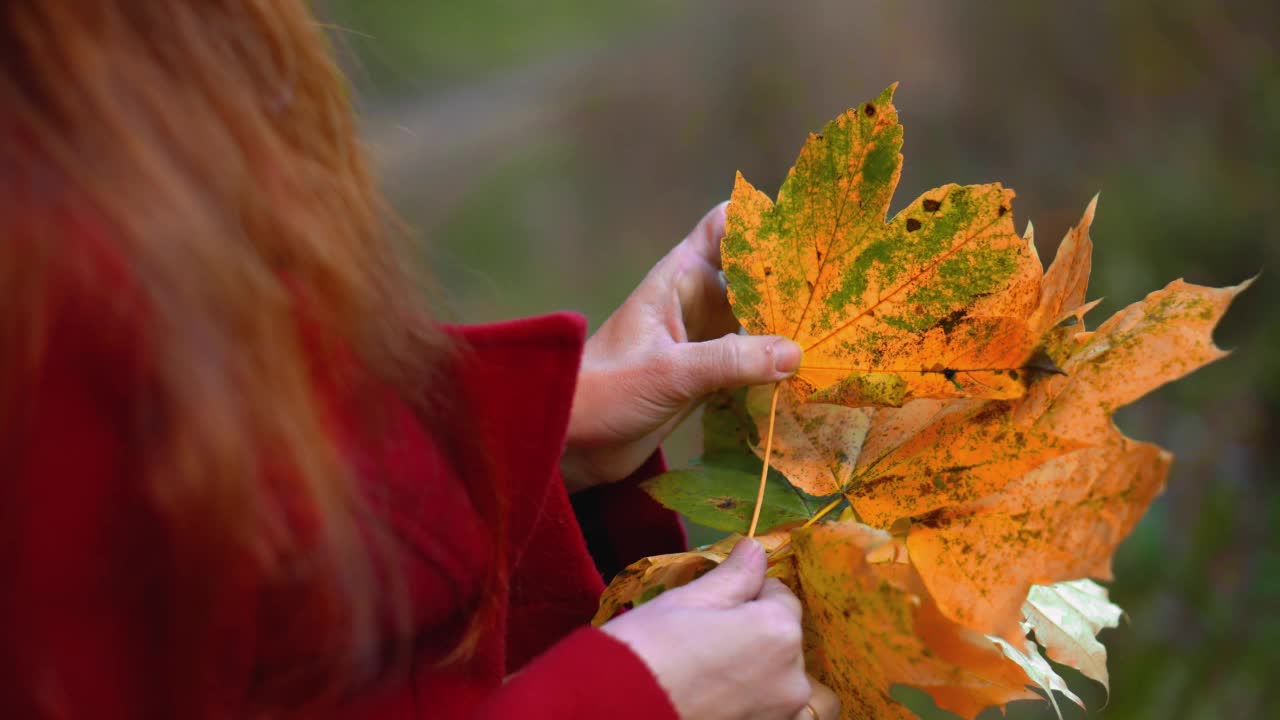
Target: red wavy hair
214, 141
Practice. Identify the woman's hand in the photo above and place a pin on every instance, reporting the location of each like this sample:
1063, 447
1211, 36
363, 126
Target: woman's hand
727, 645
673, 341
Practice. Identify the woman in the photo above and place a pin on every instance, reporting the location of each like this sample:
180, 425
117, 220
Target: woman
242, 473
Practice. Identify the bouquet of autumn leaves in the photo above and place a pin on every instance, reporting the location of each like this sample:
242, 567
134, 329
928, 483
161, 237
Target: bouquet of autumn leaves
940, 482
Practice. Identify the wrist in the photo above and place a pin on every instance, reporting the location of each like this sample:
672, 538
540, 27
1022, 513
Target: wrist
587, 459
578, 472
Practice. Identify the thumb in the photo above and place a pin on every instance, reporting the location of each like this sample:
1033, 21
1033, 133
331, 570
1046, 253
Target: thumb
737, 580
735, 360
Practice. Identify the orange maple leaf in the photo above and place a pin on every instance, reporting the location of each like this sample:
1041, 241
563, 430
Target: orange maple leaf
953, 402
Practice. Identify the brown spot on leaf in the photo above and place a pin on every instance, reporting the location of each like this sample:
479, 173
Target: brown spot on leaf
1003, 211
991, 411
725, 503
932, 205
866, 488
952, 320
912, 224
870, 110
931, 519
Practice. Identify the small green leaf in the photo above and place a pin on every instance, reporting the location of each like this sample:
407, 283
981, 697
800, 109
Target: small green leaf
719, 491
727, 428
724, 498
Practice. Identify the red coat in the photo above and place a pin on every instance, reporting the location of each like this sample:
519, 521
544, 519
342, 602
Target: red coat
78, 567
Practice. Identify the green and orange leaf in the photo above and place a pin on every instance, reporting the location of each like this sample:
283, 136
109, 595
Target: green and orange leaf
951, 409
932, 303
1166, 335
869, 626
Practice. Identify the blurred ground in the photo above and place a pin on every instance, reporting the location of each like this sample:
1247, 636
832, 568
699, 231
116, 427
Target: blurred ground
549, 153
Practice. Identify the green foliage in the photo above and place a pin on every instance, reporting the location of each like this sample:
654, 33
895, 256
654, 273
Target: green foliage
719, 490
406, 44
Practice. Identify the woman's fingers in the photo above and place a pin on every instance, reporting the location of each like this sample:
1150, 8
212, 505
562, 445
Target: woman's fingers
728, 645
700, 248
704, 303
737, 580
822, 699
823, 704
777, 593
704, 239
696, 369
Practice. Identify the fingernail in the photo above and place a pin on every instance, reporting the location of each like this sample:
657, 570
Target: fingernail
747, 546
786, 356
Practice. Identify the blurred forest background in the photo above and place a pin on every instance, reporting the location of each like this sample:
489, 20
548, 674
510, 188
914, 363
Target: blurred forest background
548, 153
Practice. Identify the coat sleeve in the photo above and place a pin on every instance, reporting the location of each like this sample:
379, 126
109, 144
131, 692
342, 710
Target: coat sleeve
622, 524
588, 675
564, 667
557, 665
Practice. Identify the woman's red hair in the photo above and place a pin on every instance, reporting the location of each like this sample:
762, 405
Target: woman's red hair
213, 142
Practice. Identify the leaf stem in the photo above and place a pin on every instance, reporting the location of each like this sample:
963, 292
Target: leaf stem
819, 515
764, 472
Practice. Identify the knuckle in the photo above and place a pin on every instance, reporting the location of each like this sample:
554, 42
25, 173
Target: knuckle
668, 375
719, 210
712, 224
796, 692
698, 368
790, 636
727, 358
779, 626
782, 594
663, 365
761, 613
